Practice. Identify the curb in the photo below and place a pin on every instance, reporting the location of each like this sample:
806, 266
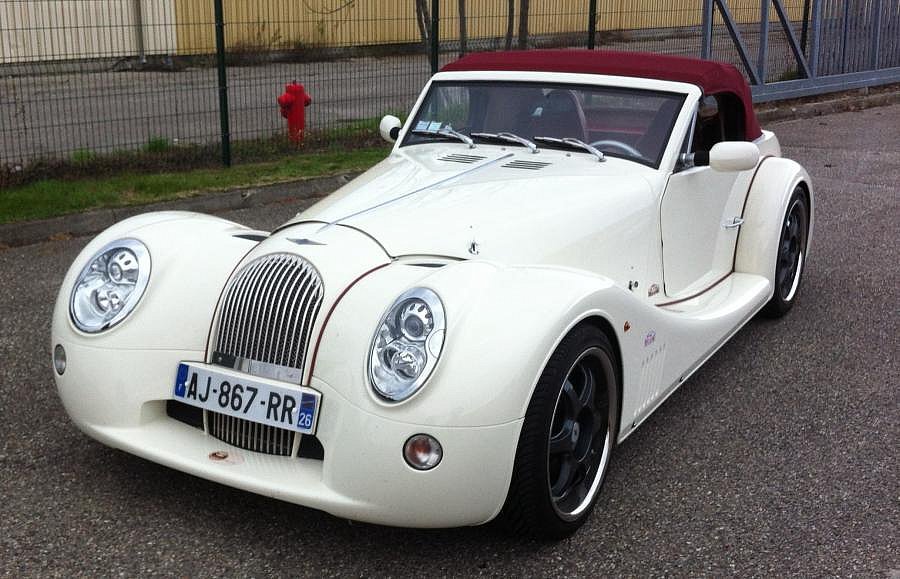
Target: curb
91, 222
855, 100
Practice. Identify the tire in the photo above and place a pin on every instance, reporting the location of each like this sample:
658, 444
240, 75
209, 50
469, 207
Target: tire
566, 440
792, 244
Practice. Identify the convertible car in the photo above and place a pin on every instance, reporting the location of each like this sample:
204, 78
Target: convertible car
465, 332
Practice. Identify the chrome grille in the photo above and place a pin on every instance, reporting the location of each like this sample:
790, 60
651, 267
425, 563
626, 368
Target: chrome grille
250, 435
268, 312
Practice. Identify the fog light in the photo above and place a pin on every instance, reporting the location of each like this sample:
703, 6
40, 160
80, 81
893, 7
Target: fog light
59, 359
422, 452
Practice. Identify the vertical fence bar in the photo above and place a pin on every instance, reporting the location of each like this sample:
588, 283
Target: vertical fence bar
592, 24
706, 41
816, 36
139, 31
845, 36
763, 39
876, 36
463, 27
435, 30
223, 83
804, 30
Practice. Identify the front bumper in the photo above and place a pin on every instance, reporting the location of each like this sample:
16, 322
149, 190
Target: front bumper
119, 398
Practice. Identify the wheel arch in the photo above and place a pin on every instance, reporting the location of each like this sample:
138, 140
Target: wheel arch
601, 323
767, 201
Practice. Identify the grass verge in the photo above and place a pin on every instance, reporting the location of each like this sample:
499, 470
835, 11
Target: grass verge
54, 197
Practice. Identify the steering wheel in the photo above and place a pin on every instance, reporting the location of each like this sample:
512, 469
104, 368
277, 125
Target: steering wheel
619, 145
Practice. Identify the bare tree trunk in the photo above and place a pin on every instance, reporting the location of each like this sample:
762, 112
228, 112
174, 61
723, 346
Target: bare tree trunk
463, 32
523, 24
510, 22
423, 20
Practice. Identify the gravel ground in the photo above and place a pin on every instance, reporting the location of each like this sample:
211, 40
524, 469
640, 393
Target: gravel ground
779, 457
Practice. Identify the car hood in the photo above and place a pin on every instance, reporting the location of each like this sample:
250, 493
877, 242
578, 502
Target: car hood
498, 203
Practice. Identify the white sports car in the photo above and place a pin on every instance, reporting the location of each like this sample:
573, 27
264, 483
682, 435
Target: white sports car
557, 240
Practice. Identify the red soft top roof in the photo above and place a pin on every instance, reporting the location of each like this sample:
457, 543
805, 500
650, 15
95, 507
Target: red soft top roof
712, 77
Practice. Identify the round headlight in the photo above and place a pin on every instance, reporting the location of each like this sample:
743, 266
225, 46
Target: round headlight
110, 285
407, 345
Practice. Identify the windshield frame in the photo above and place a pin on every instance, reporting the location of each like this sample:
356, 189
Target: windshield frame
409, 139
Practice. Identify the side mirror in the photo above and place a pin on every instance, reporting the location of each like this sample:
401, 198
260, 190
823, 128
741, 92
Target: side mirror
733, 156
389, 127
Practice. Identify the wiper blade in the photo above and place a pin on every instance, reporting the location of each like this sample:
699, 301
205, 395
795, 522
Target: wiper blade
447, 132
508, 138
574, 144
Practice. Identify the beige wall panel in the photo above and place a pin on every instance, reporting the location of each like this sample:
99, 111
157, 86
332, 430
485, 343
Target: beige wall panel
46, 30
290, 24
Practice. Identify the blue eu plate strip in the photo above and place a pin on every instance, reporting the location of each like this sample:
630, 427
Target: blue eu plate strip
181, 380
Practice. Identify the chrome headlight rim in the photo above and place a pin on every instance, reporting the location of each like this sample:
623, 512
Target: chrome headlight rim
142, 254
431, 346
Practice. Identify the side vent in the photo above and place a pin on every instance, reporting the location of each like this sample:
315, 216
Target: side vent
528, 165
461, 158
651, 387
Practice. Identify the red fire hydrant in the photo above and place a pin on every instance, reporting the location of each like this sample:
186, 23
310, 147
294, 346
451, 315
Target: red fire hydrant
293, 105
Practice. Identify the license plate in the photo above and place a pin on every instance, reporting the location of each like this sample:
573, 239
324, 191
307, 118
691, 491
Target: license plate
244, 397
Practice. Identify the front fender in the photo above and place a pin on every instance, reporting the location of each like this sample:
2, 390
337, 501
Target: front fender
191, 257
503, 323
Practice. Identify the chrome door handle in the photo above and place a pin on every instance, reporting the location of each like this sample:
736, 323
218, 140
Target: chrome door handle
735, 223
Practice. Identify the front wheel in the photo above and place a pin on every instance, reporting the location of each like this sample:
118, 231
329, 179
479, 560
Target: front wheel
791, 255
567, 438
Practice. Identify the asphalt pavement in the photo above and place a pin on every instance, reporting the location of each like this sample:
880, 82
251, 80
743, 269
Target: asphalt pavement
779, 457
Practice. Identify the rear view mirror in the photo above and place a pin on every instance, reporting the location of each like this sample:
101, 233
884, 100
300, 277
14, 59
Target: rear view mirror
733, 156
389, 127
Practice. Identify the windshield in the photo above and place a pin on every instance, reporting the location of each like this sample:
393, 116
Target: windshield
620, 122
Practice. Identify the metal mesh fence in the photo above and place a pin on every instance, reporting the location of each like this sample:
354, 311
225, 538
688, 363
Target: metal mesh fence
91, 84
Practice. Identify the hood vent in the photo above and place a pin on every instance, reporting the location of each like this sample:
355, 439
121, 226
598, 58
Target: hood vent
529, 165
461, 158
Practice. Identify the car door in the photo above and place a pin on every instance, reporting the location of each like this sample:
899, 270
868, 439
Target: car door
697, 218
699, 234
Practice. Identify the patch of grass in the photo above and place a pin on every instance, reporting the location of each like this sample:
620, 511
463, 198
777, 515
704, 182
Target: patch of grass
53, 197
157, 145
82, 156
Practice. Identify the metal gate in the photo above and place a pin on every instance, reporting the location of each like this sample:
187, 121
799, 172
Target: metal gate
842, 44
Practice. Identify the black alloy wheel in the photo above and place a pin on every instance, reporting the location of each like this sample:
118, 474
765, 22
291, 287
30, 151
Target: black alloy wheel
567, 438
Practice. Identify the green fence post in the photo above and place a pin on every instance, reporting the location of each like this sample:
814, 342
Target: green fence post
592, 24
223, 83
435, 41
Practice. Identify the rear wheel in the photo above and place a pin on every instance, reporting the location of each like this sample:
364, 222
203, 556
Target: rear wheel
791, 256
567, 438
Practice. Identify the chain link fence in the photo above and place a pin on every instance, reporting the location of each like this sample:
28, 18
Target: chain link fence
100, 85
